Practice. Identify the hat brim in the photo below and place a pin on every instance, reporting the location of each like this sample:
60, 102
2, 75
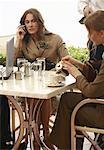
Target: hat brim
82, 20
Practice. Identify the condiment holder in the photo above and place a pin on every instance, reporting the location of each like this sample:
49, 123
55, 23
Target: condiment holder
18, 75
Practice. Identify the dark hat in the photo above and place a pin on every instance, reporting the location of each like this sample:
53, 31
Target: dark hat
82, 20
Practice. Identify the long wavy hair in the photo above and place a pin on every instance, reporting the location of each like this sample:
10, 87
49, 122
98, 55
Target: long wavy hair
38, 17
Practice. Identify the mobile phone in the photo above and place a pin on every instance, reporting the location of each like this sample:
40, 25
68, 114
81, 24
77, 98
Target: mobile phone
24, 28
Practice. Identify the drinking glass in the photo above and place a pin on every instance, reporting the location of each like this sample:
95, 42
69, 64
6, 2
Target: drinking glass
42, 61
21, 61
37, 67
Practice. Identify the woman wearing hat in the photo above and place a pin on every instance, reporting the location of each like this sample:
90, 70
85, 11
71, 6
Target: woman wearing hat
33, 41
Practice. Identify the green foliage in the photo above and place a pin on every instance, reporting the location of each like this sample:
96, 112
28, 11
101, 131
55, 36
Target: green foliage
78, 53
2, 59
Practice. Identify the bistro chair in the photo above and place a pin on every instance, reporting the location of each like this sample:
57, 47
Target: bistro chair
84, 129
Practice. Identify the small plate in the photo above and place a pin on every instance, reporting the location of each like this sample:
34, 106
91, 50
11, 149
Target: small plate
56, 85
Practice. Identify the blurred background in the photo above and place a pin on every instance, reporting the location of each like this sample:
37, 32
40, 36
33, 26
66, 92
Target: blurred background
61, 17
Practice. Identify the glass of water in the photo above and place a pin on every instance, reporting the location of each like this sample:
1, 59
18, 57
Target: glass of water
42, 61
37, 67
21, 62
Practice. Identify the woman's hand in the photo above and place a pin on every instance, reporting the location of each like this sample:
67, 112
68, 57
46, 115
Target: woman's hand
71, 68
19, 36
70, 59
21, 32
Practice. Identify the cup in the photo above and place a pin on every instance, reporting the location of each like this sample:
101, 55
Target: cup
56, 79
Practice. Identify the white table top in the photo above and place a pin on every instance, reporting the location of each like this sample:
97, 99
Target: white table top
34, 87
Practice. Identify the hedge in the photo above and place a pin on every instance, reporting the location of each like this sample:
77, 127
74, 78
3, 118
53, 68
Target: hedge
78, 53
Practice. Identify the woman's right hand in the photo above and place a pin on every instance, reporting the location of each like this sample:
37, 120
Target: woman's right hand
73, 61
69, 59
20, 32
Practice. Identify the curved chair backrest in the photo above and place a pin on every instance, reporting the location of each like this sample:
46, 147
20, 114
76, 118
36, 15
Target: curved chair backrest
84, 130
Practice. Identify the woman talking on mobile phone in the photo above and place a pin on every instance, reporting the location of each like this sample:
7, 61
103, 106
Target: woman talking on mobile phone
33, 41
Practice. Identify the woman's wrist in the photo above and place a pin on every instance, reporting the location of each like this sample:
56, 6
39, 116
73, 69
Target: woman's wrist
74, 71
18, 43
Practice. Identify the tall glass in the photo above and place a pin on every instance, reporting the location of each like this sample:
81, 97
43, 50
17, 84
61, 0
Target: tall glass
43, 67
42, 61
21, 62
37, 67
